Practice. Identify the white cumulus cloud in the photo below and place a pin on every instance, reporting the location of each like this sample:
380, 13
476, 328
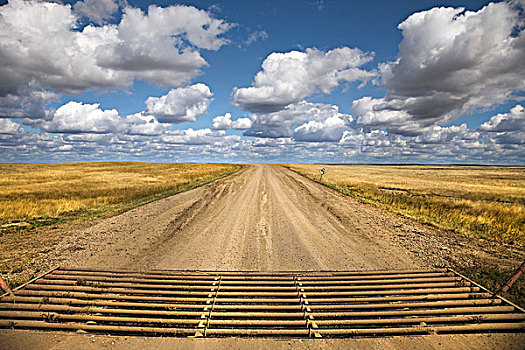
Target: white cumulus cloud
145, 125
242, 123
280, 124
328, 130
9, 127
367, 112
180, 105
225, 122
76, 117
289, 77
512, 121
507, 128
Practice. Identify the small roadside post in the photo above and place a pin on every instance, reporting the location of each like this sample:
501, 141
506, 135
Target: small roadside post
322, 173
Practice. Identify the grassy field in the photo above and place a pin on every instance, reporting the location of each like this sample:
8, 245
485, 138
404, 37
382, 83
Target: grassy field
481, 202
33, 195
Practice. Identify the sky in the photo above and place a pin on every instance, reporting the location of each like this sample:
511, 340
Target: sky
313, 81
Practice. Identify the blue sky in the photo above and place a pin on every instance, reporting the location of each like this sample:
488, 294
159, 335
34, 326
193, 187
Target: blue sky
347, 85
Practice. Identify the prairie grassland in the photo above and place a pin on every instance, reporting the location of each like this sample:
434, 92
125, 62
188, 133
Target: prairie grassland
481, 202
40, 194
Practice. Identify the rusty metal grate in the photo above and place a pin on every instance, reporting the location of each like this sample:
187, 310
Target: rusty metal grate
283, 304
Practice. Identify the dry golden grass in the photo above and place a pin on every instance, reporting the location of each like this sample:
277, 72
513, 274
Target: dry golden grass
485, 202
46, 193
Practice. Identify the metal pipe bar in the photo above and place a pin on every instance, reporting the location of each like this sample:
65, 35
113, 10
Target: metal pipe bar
423, 284
182, 281
298, 274
149, 298
265, 323
116, 290
353, 286
97, 328
150, 305
381, 280
160, 286
250, 288
397, 291
312, 301
263, 332
161, 281
476, 318
422, 290
380, 331
258, 273
482, 327
450, 311
505, 288
292, 306
54, 317
132, 274
174, 276
258, 332
406, 305
383, 287
95, 309
307, 278
142, 276
389, 321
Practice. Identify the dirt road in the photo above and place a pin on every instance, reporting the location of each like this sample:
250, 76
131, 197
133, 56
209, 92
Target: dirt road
264, 217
